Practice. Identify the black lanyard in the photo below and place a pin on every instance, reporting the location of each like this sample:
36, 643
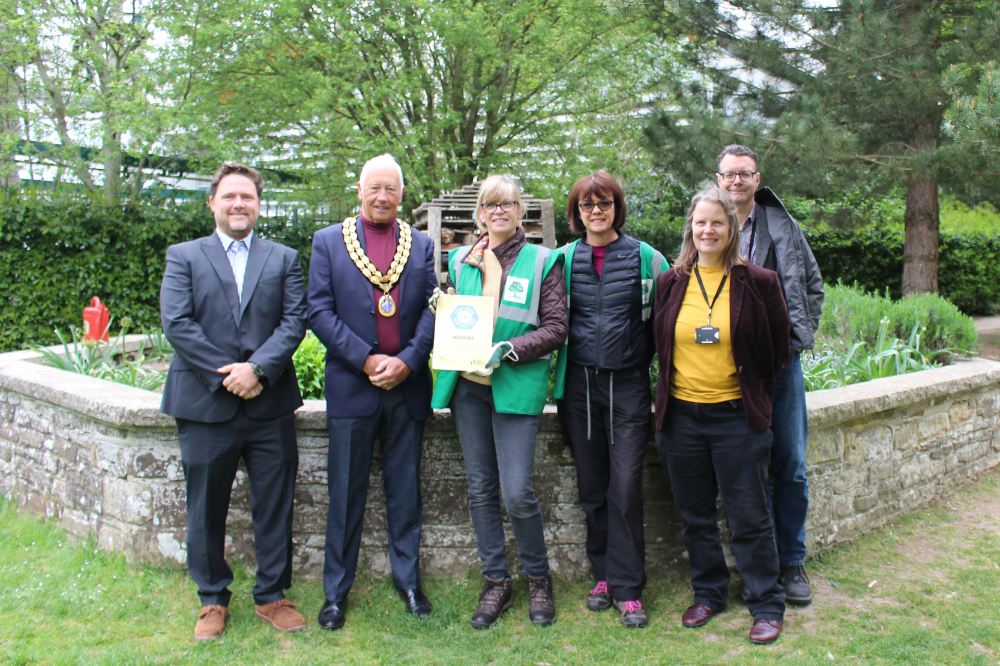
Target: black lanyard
753, 237
708, 321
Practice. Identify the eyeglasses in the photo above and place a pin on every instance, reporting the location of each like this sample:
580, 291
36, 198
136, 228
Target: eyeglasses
729, 176
588, 206
505, 206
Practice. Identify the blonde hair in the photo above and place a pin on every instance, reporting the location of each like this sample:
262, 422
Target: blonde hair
496, 189
731, 252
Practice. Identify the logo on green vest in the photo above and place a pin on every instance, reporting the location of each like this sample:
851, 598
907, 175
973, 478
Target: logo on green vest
516, 290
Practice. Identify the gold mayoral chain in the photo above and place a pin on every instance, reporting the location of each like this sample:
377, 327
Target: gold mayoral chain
386, 306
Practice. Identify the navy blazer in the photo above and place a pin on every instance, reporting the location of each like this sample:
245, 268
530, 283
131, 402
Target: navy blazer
341, 311
759, 333
209, 327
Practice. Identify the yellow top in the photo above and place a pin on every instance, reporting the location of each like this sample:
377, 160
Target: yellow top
704, 373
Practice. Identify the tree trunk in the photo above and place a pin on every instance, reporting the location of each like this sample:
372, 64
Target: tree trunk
112, 150
920, 256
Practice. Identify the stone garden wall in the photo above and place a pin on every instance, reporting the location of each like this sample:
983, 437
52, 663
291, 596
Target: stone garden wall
102, 461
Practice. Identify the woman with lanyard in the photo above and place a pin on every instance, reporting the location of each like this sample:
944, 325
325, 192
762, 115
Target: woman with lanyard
496, 410
722, 335
602, 387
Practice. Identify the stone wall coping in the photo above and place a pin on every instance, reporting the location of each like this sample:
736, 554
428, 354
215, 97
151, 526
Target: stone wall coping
128, 407
848, 402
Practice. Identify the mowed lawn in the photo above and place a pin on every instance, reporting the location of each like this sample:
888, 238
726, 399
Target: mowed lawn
923, 591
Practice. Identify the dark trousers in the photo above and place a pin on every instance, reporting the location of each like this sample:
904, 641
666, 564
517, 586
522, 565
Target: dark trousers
210, 454
349, 462
499, 451
609, 476
710, 448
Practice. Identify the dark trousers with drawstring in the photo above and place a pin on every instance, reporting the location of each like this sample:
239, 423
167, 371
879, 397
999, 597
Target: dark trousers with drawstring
609, 443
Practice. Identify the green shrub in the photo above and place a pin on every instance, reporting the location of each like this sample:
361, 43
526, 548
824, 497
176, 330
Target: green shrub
851, 315
310, 366
56, 254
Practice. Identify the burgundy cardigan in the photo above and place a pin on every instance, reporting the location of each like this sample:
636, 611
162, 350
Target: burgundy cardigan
759, 329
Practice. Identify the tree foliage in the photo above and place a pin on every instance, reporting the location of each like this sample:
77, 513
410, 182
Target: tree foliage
453, 88
85, 76
831, 96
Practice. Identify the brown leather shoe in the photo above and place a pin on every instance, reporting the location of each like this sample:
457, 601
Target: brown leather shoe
282, 615
696, 615
765, 631
211, 623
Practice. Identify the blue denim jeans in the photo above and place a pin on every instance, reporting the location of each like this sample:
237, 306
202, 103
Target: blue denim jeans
790, 502
499, 454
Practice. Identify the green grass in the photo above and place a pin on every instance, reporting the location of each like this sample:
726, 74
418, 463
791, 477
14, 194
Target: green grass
922, 591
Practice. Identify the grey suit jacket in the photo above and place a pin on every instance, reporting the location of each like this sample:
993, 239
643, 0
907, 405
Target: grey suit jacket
209, 327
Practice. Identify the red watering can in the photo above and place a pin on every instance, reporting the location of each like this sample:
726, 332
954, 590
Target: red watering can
95, 321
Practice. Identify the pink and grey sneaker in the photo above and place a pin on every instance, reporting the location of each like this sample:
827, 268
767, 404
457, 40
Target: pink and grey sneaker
632, 613
599, 598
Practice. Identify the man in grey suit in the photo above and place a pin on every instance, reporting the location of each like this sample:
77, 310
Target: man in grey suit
233, 307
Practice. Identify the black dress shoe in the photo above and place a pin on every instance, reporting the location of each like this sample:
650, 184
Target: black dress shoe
416, 601
331, 616
798, 591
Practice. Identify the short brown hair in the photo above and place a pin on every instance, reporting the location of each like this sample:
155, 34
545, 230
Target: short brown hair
731, 253
239, 169
737, 150
599, 183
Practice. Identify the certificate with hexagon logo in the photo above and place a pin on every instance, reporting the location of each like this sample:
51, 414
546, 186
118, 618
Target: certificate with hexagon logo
463, 332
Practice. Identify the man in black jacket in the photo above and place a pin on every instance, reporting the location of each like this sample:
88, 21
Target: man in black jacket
770, 237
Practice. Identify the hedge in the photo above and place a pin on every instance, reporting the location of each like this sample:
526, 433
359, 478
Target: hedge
56, 255
968, 272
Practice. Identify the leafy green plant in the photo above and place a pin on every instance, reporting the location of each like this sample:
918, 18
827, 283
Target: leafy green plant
888, 356
310, 367
108, 360
851, 314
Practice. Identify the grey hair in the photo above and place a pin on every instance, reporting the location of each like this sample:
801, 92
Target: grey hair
738, 150
383, 160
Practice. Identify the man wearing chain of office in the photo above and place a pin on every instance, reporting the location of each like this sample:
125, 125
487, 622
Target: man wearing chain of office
370, 279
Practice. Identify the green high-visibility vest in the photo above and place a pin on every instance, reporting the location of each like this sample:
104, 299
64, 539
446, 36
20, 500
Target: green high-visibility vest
521, 388
651, 264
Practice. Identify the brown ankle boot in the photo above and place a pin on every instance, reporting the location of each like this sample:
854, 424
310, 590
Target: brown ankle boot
542, 610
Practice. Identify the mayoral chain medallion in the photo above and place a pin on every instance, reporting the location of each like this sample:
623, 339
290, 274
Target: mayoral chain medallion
386, 306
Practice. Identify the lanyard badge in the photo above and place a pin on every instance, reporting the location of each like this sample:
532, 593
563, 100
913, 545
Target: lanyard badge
708, 334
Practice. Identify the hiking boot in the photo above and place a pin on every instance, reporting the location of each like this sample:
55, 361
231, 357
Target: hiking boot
496, 597
632, 613
542, 610
798, 591
211, 623
599, 598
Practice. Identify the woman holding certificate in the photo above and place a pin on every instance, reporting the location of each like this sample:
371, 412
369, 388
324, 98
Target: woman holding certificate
722, 335
496, 409
602, 384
